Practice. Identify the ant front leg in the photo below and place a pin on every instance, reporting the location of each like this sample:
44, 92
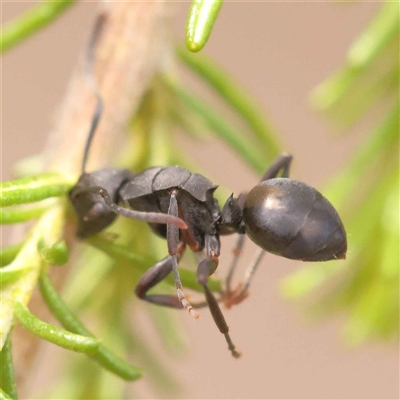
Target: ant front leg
150, 217
96, 206
204, 270
173, 241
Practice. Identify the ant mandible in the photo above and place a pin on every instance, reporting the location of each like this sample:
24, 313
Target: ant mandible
280, 215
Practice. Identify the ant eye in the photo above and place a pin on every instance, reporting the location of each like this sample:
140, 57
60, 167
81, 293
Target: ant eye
291, 219
96, 210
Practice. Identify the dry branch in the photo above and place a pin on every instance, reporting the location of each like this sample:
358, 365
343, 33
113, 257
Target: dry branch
131, 49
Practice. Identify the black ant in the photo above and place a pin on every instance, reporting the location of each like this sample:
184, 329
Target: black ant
281, 215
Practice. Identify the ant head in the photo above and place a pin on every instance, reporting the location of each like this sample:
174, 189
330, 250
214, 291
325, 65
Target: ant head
93, 213
293, 220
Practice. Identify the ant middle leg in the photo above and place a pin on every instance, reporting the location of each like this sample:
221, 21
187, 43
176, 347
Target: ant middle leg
155, 275
152, 277
204, 270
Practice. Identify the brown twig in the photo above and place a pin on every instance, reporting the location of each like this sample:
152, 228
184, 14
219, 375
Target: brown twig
129, 52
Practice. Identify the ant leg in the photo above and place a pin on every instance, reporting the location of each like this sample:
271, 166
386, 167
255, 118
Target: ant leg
173, 241
237, 251
151, 217
153, 276
242, 290
251, 269
282, 162
156, 274
204, 270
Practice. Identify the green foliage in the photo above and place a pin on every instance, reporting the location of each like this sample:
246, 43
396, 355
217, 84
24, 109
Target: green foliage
32, 189
367, 191
201, 20
39, 16
51, 333
366, 286
7, 372
237, 98
67, 318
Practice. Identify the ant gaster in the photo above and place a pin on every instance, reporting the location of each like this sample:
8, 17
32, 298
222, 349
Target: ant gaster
281, 215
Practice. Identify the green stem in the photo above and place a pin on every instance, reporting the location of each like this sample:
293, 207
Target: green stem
60, 337
235, 96
25, 25
69, 321
7, 369
32, 189
51, 246
202, 17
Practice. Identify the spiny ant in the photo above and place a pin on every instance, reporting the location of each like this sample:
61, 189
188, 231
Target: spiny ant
281, 215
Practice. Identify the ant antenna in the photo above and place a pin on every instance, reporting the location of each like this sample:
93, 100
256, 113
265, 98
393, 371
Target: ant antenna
92, 81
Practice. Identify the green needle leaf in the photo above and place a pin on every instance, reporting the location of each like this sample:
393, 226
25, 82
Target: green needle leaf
7, 370
202, 16
60, 337
120, 252
27, 264
235, 96
69, 321
31, 189
382, 29
14, 215
329, 92
11, 273
8, 253
238, 141
371, 69
25, 25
